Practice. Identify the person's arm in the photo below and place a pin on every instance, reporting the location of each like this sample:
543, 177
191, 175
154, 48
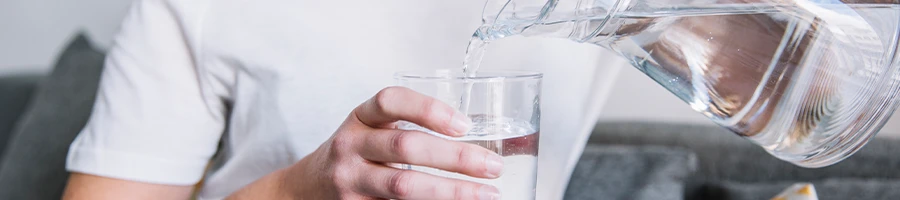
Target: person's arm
352, 163
155, 123
90, 187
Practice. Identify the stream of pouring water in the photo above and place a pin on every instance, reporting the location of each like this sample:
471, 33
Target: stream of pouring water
474, 55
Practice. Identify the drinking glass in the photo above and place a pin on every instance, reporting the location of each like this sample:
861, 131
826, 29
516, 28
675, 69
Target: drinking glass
505, 110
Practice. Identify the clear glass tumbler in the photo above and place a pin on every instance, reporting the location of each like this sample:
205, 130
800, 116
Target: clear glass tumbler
505, 109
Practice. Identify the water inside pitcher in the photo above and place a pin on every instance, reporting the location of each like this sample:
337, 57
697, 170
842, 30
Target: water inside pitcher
811, 81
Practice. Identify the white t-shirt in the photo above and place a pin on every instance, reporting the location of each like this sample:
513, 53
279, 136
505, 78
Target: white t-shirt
265, 82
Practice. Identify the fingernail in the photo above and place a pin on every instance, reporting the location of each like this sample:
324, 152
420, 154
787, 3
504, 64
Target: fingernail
494, 165
487, 192
460, 124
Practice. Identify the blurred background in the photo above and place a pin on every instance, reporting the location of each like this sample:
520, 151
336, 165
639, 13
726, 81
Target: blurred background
658, 132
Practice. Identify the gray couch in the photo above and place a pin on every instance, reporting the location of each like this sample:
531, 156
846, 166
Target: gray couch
40, 116
38, 135
721, 165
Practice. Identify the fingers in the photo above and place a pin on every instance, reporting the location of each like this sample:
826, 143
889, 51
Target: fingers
391, 183
398, 103
419, 148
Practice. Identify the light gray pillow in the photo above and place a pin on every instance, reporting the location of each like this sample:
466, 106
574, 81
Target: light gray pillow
34, 163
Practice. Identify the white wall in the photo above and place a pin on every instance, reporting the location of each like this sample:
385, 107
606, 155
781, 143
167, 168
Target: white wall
34, 30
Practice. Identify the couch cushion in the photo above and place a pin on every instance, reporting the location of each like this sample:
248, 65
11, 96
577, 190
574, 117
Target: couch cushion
34, 165
631, 172
828, 189
731, 166
724, 155
15, 93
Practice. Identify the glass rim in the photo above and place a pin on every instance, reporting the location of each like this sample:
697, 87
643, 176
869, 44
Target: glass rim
456, 74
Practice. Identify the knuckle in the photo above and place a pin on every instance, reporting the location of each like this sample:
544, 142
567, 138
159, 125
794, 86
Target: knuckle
340, 144
465, 156
427, 111
460, 192
383, 97
464, 191
400, 144
341, 174
400, 184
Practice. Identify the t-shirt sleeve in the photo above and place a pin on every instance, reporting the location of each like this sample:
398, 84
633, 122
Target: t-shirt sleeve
154, 119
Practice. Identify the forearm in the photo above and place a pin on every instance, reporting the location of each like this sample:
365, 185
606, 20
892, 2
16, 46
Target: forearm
85, 186
271, 186
291, 183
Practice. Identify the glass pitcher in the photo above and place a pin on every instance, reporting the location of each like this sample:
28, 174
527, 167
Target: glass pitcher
811, 81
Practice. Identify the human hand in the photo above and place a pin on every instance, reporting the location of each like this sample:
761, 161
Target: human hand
352, 163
